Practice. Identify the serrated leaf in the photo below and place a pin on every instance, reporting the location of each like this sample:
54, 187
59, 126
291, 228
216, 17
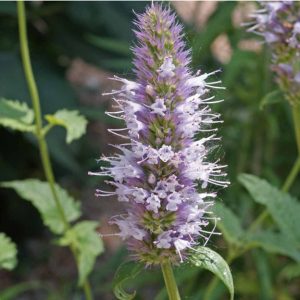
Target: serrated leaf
87, 242
40, 196
8, 253
271, 98
208, 259
74, 123
126, 271
274, 242
16, 115
284, 209
229, 224
270, 241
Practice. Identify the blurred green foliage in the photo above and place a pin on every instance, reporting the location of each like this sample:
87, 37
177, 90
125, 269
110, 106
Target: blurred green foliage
257, 138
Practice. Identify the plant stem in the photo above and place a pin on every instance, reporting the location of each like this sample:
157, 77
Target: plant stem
44, 153
36, 107
292, 175
296, 119
170, 282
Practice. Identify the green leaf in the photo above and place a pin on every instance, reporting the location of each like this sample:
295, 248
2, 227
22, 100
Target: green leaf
126, 271
16, 115
229, 224
274, 242
74, 123
8, 253
210, 260
284, 209
290, 272
271, 98
109, 44
87, 242
40, 196
14, 292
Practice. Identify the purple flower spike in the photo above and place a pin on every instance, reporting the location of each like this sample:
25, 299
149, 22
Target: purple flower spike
162, 173
279, 24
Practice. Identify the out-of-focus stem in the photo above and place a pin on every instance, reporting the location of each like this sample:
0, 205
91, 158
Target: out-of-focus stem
170, 282
296, 119
44, 153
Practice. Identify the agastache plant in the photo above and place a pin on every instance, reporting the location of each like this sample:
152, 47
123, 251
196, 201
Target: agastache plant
162, 172
279, 25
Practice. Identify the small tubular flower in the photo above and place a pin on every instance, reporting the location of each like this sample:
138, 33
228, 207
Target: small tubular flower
279, 25
162, 172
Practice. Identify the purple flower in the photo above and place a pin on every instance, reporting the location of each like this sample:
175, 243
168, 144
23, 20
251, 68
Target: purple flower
161, 172
279, 24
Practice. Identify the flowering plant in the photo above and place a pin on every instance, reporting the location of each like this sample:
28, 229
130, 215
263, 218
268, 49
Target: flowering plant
279, 25
160, 169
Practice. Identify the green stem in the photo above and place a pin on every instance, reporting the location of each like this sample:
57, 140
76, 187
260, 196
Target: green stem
170, 282
292, 176
37, 109
44, 153
296, 118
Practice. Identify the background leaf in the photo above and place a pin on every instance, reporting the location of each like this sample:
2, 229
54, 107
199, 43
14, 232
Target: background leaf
284, 209
88, 244
290, 271
109, 44
12, 292
210, 260
229, 224
40, 196
271, 98
8, 252
74, 123
16, 115
274, 242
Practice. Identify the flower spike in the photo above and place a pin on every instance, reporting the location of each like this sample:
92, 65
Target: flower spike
163, 175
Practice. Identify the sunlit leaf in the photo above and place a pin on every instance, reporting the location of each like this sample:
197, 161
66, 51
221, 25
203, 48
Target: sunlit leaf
8, 253
284, 209
126, 271
40, 196
208, 259
74, 123
16, 115
88, 244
